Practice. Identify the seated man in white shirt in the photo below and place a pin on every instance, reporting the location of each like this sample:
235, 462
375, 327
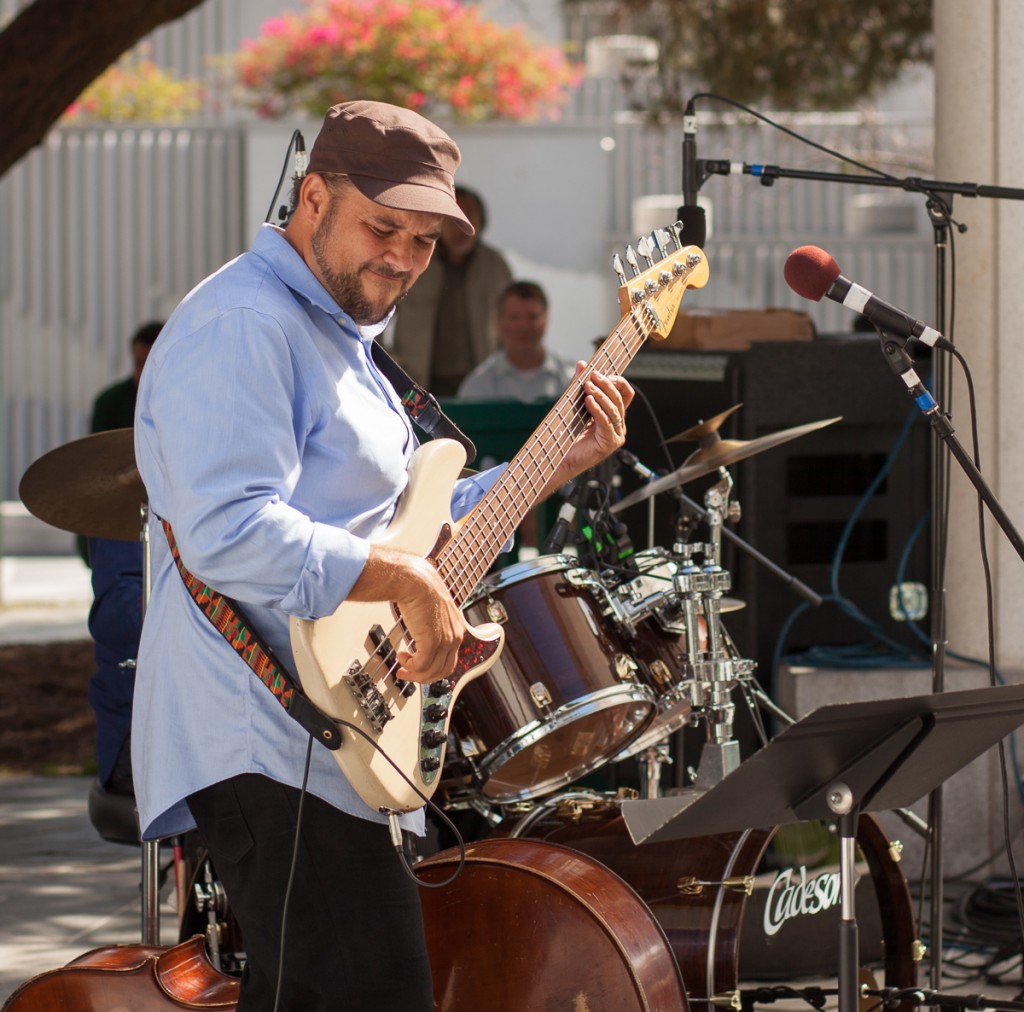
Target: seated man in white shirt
522, 369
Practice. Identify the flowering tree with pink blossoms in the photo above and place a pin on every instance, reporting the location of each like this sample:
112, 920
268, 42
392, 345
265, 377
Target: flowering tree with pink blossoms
439, 57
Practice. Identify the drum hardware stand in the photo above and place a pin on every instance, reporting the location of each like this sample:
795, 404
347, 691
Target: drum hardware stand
798, 586
651, 760
840, 760
211, 900
716, 674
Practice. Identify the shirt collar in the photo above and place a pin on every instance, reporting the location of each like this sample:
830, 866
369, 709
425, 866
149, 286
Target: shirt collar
288, 265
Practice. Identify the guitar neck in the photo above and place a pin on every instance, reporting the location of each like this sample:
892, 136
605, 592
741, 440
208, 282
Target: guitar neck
477, 543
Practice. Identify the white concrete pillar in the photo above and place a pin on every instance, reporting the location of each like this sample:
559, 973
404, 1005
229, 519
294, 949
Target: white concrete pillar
979, 115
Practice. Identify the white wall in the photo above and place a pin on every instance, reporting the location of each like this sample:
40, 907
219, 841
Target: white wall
547, 192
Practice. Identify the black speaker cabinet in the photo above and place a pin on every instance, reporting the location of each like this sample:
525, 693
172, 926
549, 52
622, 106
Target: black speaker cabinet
797, 498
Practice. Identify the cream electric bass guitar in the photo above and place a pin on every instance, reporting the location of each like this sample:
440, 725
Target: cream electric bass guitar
346, 661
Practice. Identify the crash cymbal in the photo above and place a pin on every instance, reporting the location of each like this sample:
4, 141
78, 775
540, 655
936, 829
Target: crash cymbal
731, 604
714, 454
89, 486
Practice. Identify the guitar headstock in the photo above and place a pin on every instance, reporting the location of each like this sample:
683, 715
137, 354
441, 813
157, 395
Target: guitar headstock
656, 290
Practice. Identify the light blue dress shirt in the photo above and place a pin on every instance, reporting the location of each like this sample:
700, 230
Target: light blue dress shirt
268, 438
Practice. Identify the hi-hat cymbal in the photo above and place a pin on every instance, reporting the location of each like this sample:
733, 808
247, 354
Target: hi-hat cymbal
90, 486
715, 453
704, 432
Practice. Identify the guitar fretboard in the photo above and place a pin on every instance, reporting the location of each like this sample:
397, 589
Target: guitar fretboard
477, 543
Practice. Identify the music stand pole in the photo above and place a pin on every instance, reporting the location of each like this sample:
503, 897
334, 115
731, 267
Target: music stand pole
841, 803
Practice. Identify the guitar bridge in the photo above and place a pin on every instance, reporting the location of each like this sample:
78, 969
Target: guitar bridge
370, 699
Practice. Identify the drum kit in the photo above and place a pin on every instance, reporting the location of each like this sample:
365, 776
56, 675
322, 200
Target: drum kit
607, 656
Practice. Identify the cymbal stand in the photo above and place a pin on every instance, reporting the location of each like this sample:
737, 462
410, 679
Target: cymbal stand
715, 672
150, 848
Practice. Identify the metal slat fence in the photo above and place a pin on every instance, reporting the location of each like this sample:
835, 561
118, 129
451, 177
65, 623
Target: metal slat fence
105, 228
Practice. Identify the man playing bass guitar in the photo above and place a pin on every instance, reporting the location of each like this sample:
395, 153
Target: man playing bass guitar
274, 453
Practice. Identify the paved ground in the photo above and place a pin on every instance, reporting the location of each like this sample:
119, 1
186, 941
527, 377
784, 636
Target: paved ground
43, 598
63, 890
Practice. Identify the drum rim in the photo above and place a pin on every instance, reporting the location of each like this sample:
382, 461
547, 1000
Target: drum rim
520, 571
641, 742
536, 730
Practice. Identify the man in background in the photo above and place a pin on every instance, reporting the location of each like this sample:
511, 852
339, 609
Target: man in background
445, 326
114, 407
522, 369
115, 618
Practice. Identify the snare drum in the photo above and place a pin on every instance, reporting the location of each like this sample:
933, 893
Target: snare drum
565, 694
741, 909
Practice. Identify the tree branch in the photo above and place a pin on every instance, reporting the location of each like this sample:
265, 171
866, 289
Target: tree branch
53, 49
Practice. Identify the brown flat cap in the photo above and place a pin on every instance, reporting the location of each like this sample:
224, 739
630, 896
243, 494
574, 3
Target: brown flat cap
393, 156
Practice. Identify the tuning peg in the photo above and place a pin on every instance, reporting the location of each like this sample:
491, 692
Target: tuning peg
631, 260
618, 268
658, 238
645, 247
675, 231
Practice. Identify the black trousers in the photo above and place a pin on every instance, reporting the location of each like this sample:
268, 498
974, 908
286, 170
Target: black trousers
354, 938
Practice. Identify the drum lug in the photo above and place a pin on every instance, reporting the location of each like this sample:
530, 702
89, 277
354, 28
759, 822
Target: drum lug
896, 851
496, 611
919, 950
540, 695
741, 884
661, 674
727, 999
574, 808
625, 668
690, 886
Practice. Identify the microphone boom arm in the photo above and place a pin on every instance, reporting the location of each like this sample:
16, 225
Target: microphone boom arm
707, 167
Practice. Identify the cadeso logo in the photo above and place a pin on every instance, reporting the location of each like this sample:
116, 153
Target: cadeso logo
793, 895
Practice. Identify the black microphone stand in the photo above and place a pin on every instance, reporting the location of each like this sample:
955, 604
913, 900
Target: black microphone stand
902, 365
939, 209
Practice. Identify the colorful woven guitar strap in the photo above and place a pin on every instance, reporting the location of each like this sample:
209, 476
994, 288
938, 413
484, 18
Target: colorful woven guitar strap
230, 621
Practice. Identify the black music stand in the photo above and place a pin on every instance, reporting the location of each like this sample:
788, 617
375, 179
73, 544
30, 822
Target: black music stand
841, 760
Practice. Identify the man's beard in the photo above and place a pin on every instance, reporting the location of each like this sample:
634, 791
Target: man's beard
344, 286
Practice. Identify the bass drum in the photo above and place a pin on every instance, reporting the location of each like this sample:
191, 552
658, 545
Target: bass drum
563, 697
726, 939
528, 924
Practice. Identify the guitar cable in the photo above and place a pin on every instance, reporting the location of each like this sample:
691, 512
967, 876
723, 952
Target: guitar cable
291, 869
393, 824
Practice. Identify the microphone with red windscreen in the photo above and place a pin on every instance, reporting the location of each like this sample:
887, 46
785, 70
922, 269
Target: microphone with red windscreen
812, 273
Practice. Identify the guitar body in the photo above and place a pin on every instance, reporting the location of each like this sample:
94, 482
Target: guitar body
394, 733
325, 650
